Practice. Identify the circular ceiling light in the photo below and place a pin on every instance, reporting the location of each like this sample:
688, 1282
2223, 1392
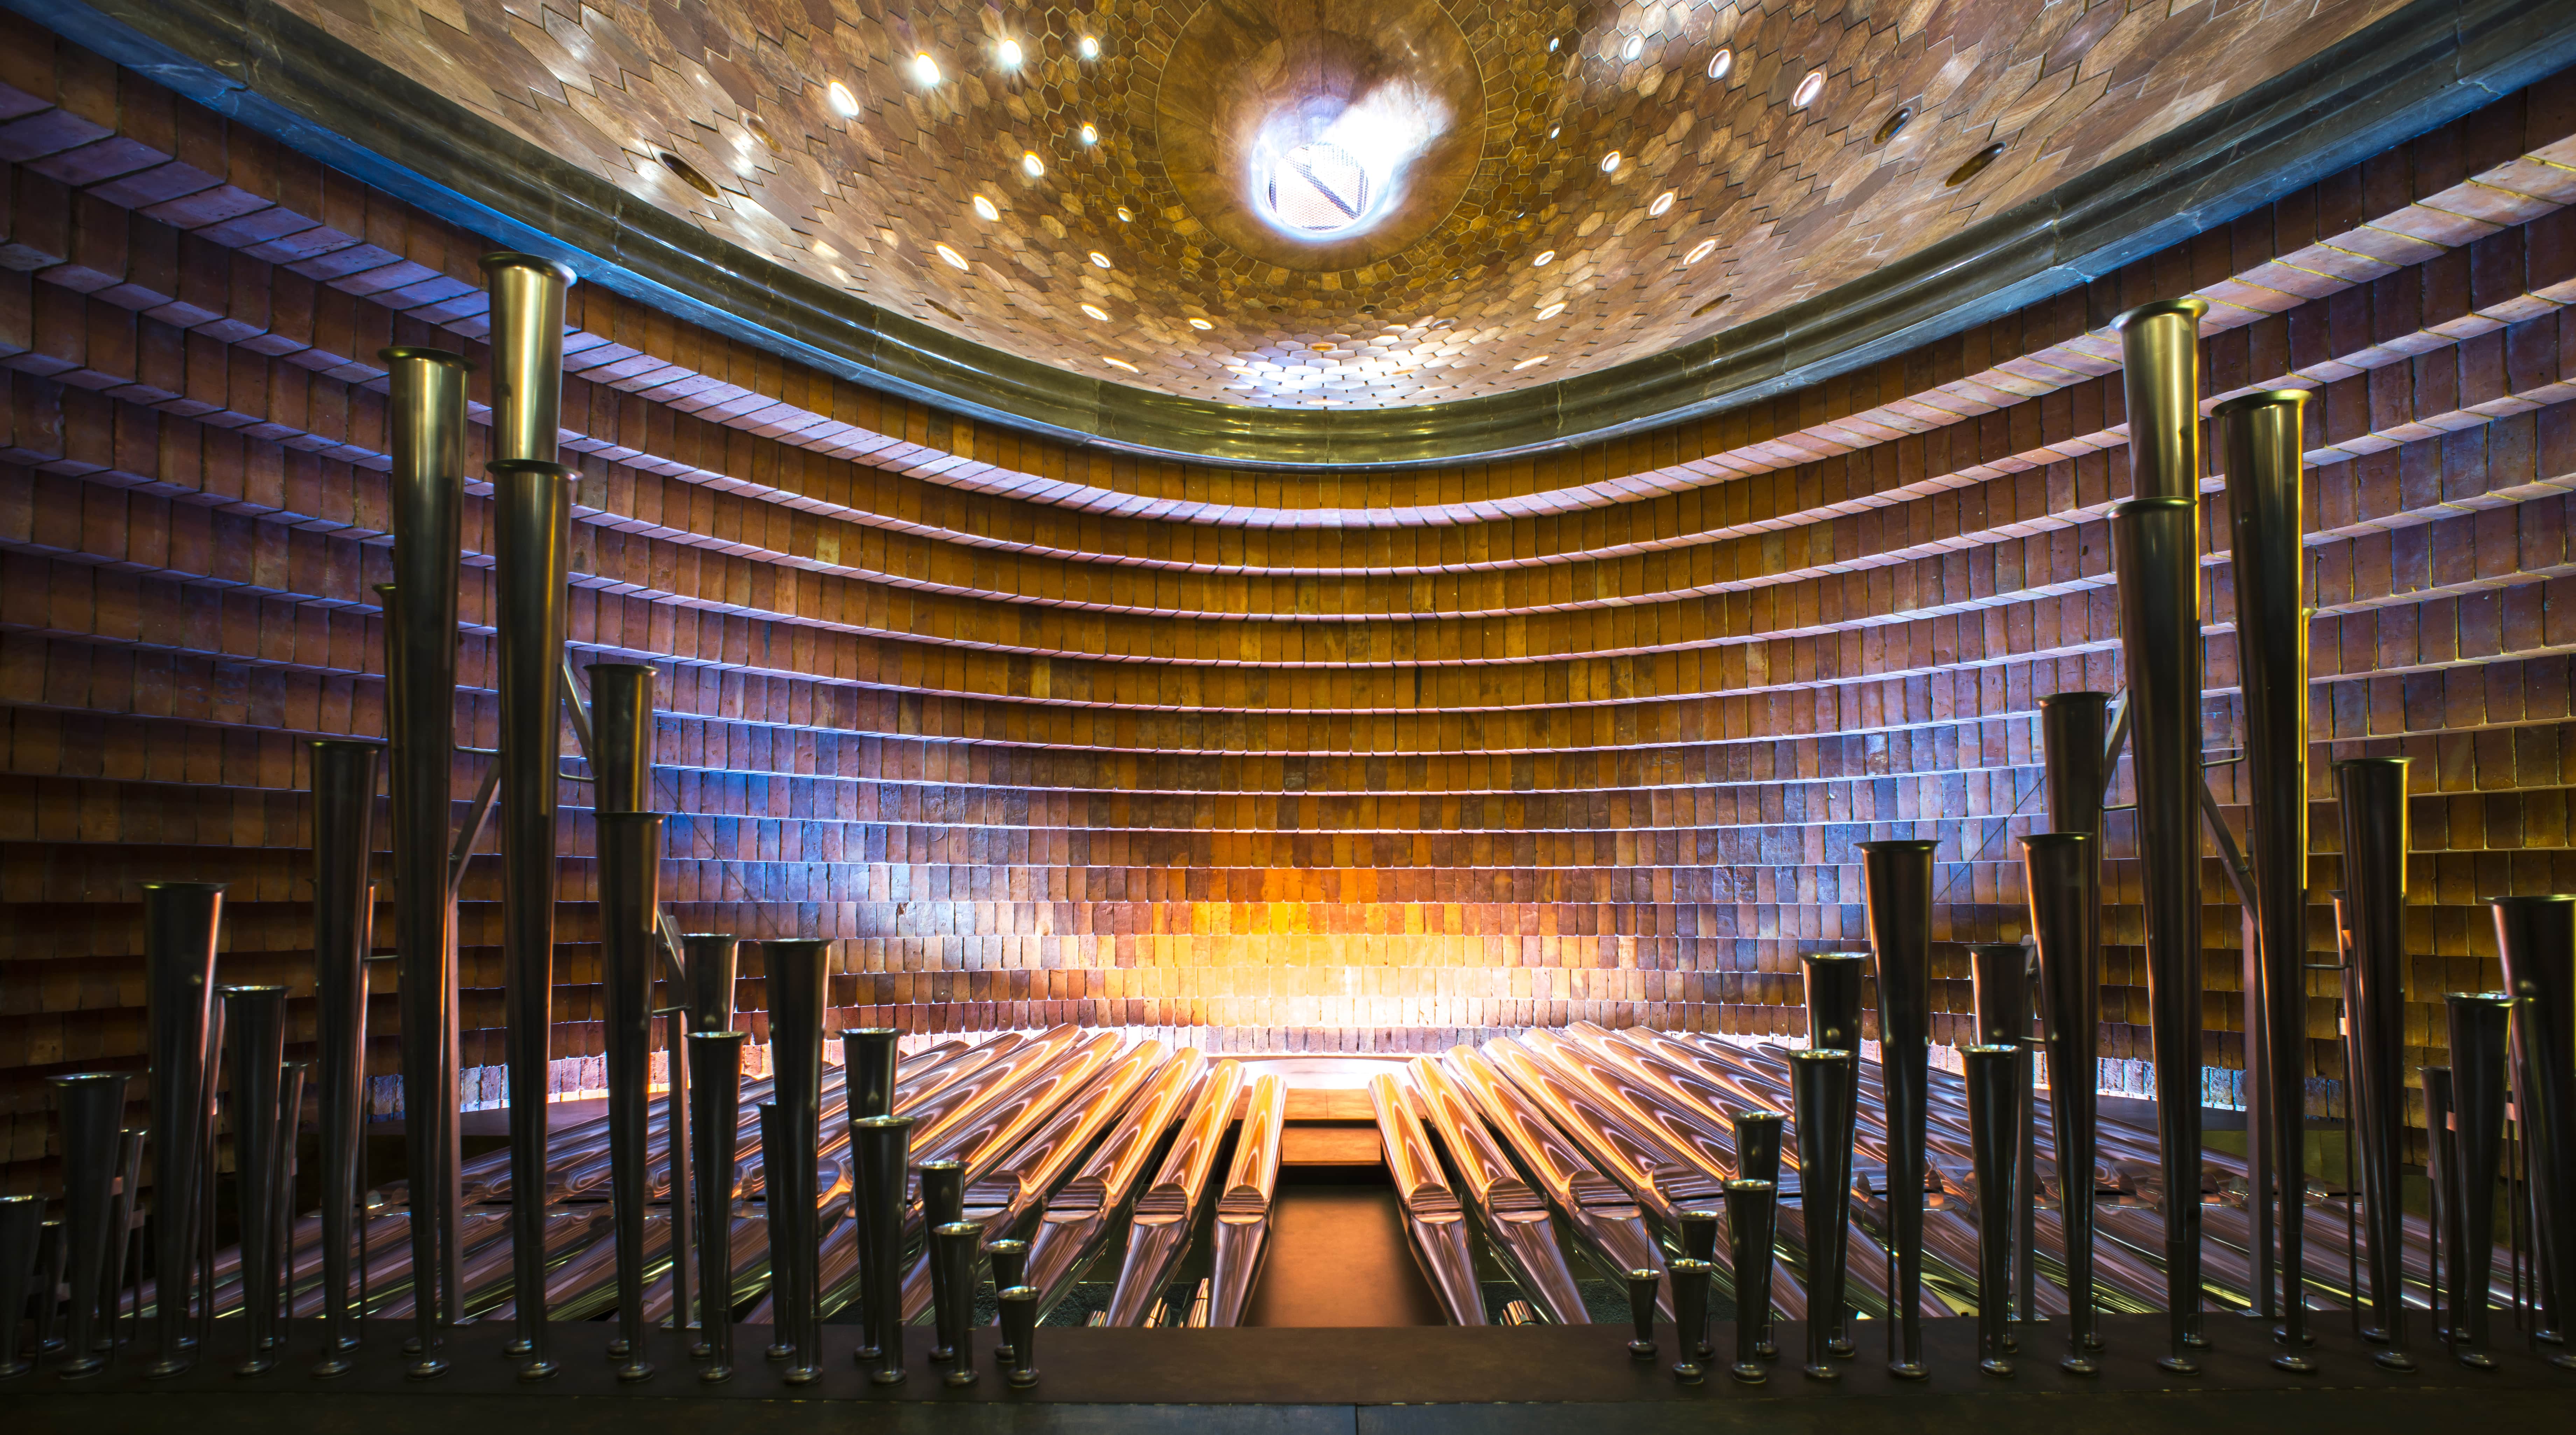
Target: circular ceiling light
1721, 62
1319, 188
1096, 312
925, 70
1544, 260
1610, 162
1032, 166
1662, 206
1636, 46
955, 259
1201, 324
1808, 89
1091, 134
984, 208
1008, 52
1087, 47
844, 104
1099, 259
1699, 251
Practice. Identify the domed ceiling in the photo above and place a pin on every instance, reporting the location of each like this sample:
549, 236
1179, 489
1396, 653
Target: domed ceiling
1336, 203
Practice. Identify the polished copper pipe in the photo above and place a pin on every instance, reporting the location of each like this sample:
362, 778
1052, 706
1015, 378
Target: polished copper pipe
22, 1222
2062, 872
1899, 877
715, 1094
2537, 938
1077, 1217
425, 490
1753, 1228
1434, 1218
255, 1048
90, 1110
2156, 541
1020, 1329
1822, 1084
881, 1145
1994, 1123
2480, 1027
1159, 1228
630, 864
1690, 1317
180, 921
953, 1248
796, 969
1243, 1207
2371, 794
344, 809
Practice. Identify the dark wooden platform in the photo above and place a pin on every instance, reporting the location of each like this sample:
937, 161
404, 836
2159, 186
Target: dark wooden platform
1403, 1381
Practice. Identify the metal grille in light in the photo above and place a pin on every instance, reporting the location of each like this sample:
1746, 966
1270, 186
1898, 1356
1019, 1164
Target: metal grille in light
1319, 187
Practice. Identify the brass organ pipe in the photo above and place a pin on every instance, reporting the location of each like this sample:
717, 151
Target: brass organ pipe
1158, 1232
180, 922
255, 1038
1243, 1208
2371, 794
1899, 874
796, 971
1994, 1124
90, 1107
2480, 1036
2062, 873
344, 809
2537, 939
2265, 454
425, 417
2157, 545
630, 859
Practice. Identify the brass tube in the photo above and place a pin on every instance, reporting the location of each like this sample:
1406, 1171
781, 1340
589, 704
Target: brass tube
1752, 1227
2480, 1024
1821, 1081
1020, 1329
2160, 378
2265, 455
255, 1042
344, 810
952, 1249
2156, 542
2063, 875
2537, 938
630, 863
1690, 1317
90, 1108
425, 490
881, 1145
621, 736
527, 295
797, 972
2371, 795
715, 1091
180, 922
1899, 876
1994, 1124
22, 1222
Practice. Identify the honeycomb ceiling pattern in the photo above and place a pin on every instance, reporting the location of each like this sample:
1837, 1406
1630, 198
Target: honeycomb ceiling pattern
1096, 261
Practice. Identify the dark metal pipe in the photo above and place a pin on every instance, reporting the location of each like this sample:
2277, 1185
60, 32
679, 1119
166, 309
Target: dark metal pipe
527, 295
22, 1222
777, 1167
715, 1094
882, 1145
868, 1059
1020, 1329
2537, 939
798, 970
1699, 1234
2157, 546
180, 923
704, 998
952, 1249
1752, 1227
344, 811
1994, 1124
1999, 986
2063, 874
1836, 988
2071, 729
2480, 1026
1821, 1085
1010, 1258
621, 736
630, 899
1690, 1317
1899, 877
943, 1203
2371, 793
290, 1131
713, 960
255, 1048
90, 1108
1642, 1287
2441, 1170
1757, 1159
2160, 378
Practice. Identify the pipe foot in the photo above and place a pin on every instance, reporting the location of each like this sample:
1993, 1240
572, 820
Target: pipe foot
633, 1371
2393, 1360
2178, 1365
1023, 1377
536, 1370
2078, 1365
1909, 1370
1996, 1366
1749, 1373
1822, 1372
2295, 1364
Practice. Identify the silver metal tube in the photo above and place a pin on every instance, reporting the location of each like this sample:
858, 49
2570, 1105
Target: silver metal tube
2376, 840
2480, 1025
527, 296
797, 972
180, 923
344, 810
255, 1047
2537, 938
1899, 874
1994, 1128
90, 1108
2062, 872
715, 1090
630, 863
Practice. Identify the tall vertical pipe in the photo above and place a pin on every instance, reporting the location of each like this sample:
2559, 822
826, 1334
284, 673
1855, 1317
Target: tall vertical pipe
527, 296
90, 1107
1994, 1124
2480, 1025
2537, 939
2264, 487
1822, 1085
715, 1090
1690, 1279
1757, 1159
344, 844
1899, 874
180, 922
943, 1202
952, 1250
1999, 987
1836, 986
882, 1146
713, 960
2441, 1172
706, 997
255, 1042
2063, 876
1752, 1228
630, 863
2371, 793
868, 1059
425, 416
2072, 727
1020, 1331
22, 1222
797, 971
621, 736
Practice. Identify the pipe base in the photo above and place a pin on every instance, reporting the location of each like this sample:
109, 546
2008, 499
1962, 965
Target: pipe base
1909, 1370
802, 1375
536, 1370
715, 1374
1024, 1377
1996, 1366
1821, 1372
428, 1367
959, 1376
887, 1375
1748, 1373
2475, 1359
2178, 1365
2393, 1360
2295, 1364
1689, 1372
332, 1365
634, 1371
2078, 1365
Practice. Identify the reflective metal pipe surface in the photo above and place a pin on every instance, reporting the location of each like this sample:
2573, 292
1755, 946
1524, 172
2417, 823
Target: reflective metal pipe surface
1434, 1219
2063, 874
1158, 1230
1642, 1284
621, 736
881, 1146
796, 969
180, 922
953, 1247
705, 992
2480, 1031
2160, 374
1243, 1208
255, 1048
1757, 1144
527, 354
2441, 1170
1010, 1260
1690, 1317
630, 894
1020, 1329
22, 1222
2371, 792
2537, 938
868, 1058
1899, 877
713, 960
1821, 1082
715, 1095
344, 809
1999, 987
2156, 543
1836, 991
1994, 1124
90, 1108
2072, 727
1752, 1228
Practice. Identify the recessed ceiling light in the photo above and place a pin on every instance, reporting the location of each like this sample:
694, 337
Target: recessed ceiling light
1699, 251
1636, 46
955, 259
1198, 323
984, 208
1893, 125
1100, 259
1808, 89
1544, 260
1008, 52
1610, 162
1551, 44
1704, 310
1975, 165
1118, 363
1096, 312
1550, 312
1091, 134
1032, 166
1087, 47
925, 70
1554, 130
1124, 215
1525, 363
1663, 204
844, 104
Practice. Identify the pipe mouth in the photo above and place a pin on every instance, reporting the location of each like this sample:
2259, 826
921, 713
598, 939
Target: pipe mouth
2057, 839
502, 259
436, 356
2078, 699
1899, 844
2189, 304
2262, 399
338, 744
184, 886
2156, 503
246, 991
547, 466
2529, 899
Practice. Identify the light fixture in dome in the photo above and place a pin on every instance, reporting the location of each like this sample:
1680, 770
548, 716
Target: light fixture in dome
1090, 134
1808, 89
1636, 46
1099, 260
1096, 312
1663, 205
844, 104
1125, 215
1699, 251
1200, 324
1554, 130
1032, 166
1721, 62
1551, 311
1544, 260
925, 70
1320, 187
1115, 362
1610, 162
1531, 362
985, 208
1551, 44
1008, 52
955, 259
1087, 47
